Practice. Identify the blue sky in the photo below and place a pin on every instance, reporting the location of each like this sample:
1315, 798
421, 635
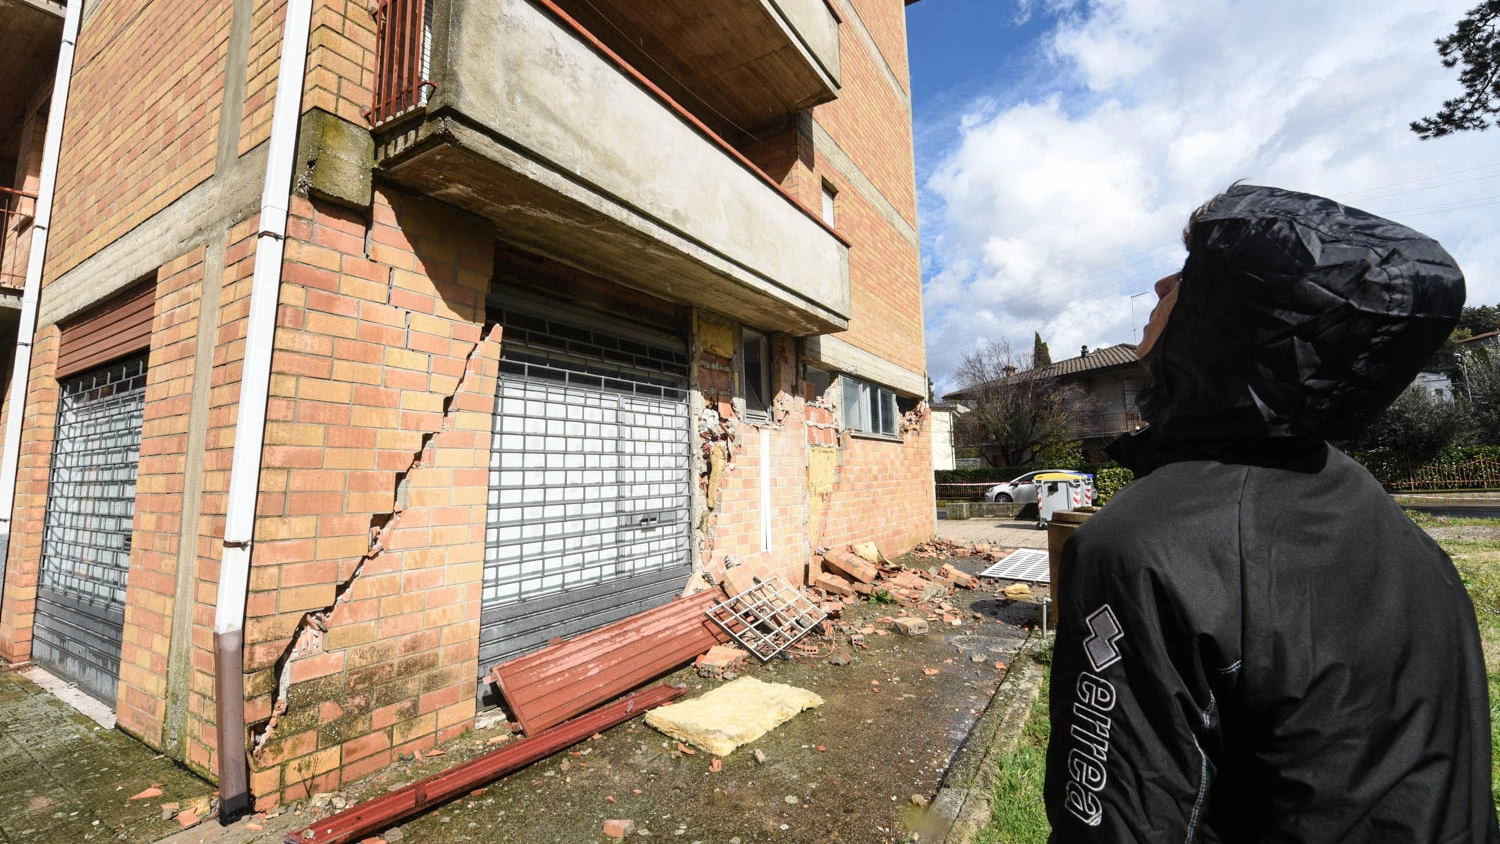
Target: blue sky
1061, 143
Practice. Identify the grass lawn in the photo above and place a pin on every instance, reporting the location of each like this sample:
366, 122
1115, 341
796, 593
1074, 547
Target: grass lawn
1474, 544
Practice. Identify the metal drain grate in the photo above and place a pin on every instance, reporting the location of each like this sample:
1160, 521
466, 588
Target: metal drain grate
767, 618
1027, 564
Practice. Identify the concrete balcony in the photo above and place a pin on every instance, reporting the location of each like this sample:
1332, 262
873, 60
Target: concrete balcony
535, 126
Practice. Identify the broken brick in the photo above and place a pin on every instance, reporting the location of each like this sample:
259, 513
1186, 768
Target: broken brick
958, 576
619, 828
721, 659
849, 566
908, 626
833, 583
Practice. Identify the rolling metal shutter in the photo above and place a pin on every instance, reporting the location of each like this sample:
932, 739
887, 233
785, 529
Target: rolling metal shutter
80, 600
108, 331
590, 483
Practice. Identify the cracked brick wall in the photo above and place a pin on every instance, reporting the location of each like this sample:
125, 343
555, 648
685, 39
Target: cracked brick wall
363, 625
827, 487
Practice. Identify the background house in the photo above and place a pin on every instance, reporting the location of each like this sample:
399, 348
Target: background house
1099, 389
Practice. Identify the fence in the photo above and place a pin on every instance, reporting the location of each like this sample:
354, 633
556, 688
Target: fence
963, 492
1402, 475
404, 41
16, 210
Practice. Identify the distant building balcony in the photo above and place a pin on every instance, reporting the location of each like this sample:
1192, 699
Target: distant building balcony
520, 114
1105, 424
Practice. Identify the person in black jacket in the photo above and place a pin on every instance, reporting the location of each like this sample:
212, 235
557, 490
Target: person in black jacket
1255, 644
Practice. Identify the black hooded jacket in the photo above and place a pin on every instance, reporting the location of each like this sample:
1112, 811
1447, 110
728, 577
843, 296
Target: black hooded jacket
1255, 643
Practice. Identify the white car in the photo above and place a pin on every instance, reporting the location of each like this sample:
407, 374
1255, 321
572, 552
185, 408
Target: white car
1021, 490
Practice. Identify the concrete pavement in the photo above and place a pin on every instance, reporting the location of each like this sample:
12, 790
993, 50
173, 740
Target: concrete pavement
1006, 533
65, 779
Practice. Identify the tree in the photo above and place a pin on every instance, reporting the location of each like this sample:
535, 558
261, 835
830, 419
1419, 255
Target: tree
1479, 320
1040, 356
1017, 410
1416, 425
1481, 371
1475, 43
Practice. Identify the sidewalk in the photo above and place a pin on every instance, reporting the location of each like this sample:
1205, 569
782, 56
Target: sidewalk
65, 779
1006, 533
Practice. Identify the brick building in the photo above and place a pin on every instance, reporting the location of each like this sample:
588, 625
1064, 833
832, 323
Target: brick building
526, 315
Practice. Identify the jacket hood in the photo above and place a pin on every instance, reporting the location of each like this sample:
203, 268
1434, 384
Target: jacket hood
1296, 317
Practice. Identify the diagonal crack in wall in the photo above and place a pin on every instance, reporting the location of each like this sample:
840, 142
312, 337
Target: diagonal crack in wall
307, 637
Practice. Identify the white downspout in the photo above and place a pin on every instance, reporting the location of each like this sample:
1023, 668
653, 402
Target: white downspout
31, 294
249, 432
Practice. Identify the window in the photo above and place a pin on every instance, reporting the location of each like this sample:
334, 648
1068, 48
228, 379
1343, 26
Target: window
755, 371
828, 197
870, 409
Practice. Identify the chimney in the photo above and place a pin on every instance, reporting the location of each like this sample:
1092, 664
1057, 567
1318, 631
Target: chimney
1084, 353
1009, 370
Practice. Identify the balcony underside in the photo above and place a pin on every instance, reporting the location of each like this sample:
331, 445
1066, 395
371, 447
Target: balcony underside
749, 62
30, 36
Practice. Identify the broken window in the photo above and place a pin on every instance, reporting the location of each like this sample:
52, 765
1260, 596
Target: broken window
755, 372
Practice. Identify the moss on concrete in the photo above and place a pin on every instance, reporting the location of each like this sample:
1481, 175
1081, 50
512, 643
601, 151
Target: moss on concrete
335, 160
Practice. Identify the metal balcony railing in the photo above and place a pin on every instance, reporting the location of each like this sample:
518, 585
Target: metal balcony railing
16, 210
1105, 424
403, 58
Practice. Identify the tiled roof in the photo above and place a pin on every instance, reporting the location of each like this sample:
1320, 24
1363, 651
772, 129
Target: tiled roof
1120, 354
1109, 357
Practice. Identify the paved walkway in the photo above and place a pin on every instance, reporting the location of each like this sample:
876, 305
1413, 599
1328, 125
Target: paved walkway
1006, 533
65, 779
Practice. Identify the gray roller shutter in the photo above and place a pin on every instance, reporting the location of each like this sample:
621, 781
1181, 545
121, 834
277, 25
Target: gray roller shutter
80, 601
590, 482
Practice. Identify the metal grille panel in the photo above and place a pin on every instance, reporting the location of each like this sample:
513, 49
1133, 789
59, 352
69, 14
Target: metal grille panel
1027, 564
90, 510
590, 494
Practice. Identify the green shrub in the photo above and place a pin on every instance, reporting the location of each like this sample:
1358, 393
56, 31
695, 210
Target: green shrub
1109, 481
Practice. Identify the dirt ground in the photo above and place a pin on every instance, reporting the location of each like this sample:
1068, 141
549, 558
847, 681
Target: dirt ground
855, 769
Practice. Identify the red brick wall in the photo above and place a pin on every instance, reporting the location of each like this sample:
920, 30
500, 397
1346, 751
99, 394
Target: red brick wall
883, 493
886, 22
30, 513
340, 64
879, 490
143, 115
382, 381
151, 594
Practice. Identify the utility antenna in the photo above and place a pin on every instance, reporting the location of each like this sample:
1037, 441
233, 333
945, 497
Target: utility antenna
1134, 333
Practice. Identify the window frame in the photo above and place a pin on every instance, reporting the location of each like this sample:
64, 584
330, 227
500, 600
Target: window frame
873, 412
749, 336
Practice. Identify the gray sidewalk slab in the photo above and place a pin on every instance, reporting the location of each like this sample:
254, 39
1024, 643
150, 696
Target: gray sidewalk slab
65, 779
1005, 533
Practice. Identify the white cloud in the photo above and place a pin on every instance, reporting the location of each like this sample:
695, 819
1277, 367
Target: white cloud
1047, 205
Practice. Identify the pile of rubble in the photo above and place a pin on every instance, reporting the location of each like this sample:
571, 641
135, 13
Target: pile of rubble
841, 577
862, 572
942, 549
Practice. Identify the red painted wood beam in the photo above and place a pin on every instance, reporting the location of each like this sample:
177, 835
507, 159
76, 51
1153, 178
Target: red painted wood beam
388, 809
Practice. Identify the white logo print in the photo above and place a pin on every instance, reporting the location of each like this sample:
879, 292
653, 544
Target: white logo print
1088, 758
1104, 630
